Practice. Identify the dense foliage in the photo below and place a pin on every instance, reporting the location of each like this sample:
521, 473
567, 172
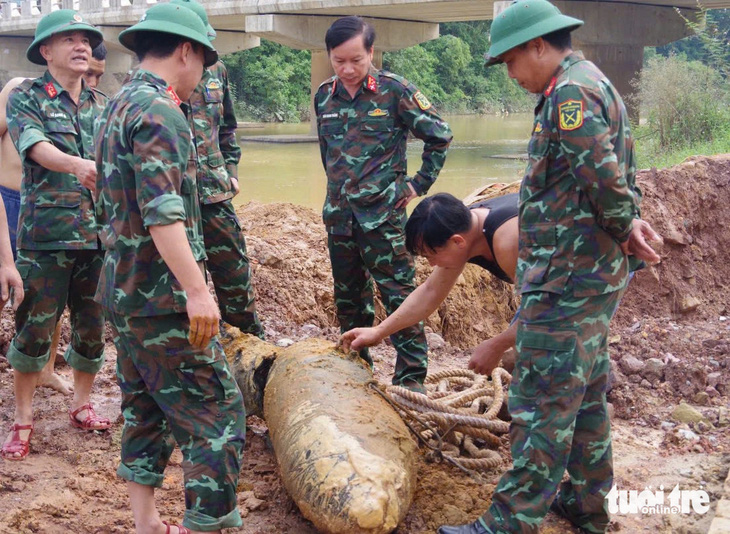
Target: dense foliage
684, 96
271, 82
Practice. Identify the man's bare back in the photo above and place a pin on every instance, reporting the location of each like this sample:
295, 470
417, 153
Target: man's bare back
11, 170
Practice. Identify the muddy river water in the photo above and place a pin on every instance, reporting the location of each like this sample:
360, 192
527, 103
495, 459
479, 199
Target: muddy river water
292, 172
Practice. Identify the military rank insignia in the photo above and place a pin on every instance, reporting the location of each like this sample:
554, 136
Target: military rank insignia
538, 128
422, 101
378, 113
372, 85
570, 114
50, 90
172, 94
213, 85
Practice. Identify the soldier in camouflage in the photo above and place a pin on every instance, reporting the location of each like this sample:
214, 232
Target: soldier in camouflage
213, 124
171, 368
364, 116
51, 122
578, 226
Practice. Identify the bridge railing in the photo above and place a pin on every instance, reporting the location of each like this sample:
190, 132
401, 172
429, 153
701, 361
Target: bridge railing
13, 9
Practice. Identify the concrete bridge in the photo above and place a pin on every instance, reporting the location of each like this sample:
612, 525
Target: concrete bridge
614, 35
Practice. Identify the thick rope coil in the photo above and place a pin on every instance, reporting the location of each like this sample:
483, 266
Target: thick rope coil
457, 416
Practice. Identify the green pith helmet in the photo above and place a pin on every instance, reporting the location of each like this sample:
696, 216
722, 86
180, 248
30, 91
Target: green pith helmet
523, 21
173, 19
200, 11
61, 21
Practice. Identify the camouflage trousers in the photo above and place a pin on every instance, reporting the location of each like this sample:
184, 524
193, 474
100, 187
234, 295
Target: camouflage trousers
173, 390
557, 400
379, 255
229, 267
51, 280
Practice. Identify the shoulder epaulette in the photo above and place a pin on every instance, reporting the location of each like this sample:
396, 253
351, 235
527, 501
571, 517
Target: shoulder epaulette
102, 93
328, 81
400, 79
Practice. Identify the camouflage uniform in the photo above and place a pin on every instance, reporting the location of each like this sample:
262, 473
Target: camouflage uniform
146, 163
59, 257
214, 129
577, 203
363, 147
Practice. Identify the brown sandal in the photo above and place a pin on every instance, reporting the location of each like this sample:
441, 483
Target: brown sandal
180, 529
91, 419
16, 444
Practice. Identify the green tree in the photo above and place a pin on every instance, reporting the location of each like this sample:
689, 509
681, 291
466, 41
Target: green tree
270, 82
684, 101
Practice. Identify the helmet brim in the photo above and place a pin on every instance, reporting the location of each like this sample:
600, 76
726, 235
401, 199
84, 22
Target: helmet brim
539, 29
34, 50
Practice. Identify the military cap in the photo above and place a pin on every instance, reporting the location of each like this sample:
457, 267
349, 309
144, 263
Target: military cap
61, 21
199, 10
523, 21
175, 20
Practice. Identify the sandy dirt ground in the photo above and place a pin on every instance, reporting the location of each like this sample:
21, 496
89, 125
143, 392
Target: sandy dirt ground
670, 346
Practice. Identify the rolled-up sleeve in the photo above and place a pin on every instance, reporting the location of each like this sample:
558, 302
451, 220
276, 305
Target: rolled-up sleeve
25, 122
160, 161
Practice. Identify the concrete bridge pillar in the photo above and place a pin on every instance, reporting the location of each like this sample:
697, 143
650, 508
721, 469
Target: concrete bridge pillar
614, 36
304, 32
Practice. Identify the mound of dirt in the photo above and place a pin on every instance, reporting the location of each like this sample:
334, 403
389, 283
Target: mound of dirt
687, 205
293, 278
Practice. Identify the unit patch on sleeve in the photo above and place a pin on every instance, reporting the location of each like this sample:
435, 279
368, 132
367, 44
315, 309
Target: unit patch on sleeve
422, 101
570, 113
538, 127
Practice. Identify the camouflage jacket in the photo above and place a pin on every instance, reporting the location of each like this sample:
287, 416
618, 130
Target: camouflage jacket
57, 212
214, 128
578, 197
363, 145
146, 177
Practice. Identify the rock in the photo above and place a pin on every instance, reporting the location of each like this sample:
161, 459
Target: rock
713, 379
284, 342
654, 369
631, 365
435, 341
675, 237
684, 413
615, 376
670, 358
712, 392
612, 340
689, 303
701, 398
635, 379
252, 503
687, 434
703, 427
645, 384
610, 410
311, 330
667, 425
266, 257
723, 416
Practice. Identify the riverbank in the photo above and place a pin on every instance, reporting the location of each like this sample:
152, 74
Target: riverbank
669, 345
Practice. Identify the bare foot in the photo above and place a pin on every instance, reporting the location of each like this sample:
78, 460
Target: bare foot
55, 382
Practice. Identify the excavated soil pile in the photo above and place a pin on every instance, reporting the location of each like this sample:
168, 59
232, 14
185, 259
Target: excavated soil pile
669, 345
688, 205
293, 278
